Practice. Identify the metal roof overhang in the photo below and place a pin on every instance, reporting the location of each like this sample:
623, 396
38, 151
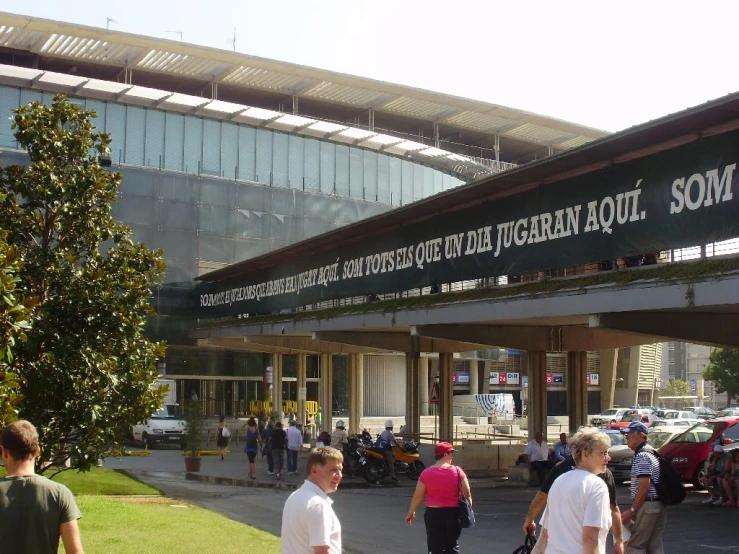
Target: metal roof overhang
714, 117
81, 45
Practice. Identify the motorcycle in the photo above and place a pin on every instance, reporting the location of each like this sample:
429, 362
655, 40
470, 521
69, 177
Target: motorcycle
354, 458
407, 461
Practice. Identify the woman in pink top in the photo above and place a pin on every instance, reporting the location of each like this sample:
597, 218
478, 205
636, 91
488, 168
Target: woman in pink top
441, 484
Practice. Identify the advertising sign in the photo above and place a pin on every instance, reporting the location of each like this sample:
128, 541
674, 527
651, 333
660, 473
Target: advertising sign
594, 379
461, 377
557, 379
693, 387
671, 199
512, 378
550, 379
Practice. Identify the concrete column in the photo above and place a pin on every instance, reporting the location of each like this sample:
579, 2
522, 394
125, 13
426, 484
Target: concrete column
537, 366
412, 385
302, 360
446, 400
608, 363
327, 392
485, 376
474, 377
277, 383
356, 378
577, 389
423, 384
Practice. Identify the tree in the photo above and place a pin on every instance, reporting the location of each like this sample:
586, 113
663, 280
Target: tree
677, 387
13, 326
87, 371
724, 371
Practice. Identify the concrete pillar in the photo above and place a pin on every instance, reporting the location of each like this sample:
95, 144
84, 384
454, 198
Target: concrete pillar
577, 389
423, 384
327, 392
474, 377
356, 378
302, 360
446, 400
277, 383
537, 367
608, 363
412, 385
484, 366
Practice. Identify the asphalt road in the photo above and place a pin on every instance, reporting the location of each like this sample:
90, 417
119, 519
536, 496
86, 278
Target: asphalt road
373, 518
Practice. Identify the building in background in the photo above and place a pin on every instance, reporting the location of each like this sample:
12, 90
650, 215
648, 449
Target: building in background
226, 156
687, 361
638, 375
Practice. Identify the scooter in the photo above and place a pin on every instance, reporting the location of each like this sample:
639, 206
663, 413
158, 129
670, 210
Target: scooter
407, 460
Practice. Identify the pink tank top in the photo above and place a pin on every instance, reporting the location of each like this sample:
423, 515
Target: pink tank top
442, 485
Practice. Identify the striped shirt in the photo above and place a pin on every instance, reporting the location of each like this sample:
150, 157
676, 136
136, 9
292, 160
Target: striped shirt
644, 465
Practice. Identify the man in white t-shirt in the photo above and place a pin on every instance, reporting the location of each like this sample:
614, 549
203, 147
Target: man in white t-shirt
294, 445
578, 513
309, 524
537, 456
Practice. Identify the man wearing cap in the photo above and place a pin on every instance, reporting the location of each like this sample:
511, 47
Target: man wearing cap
646, 517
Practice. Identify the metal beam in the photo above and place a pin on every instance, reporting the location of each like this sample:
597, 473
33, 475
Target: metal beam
714, 329
308, 344
396, 342
535, 337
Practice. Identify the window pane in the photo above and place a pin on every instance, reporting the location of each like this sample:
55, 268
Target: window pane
370, 176
193, 143
342, 170
214, 219
28, 96
328, 166
396, 178
417, 182
175, 141
9, 99
135, 135
297, 161
264, 156
407, 183
115, 126
229, 149
154, 138
356, 172
279, 159
438, 186
383, 179
211, 147
247, 153
312, 164
99, 107
428, 181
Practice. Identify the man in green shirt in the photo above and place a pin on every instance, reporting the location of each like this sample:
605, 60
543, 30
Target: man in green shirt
34, 511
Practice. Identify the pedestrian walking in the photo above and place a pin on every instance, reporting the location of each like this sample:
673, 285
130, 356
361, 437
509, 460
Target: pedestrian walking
34, 511
278, 443
253, 442
318, 418
266, 450
540, 501
647, 515
309, 524
441, 485
223, 435
577, 517
294, 445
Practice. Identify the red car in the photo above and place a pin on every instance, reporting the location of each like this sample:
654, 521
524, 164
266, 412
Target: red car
646, 419
688, 452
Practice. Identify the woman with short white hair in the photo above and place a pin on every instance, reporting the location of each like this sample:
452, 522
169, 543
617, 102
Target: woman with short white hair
578, 513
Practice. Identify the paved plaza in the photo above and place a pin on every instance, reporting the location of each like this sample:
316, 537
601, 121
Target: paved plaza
372, 516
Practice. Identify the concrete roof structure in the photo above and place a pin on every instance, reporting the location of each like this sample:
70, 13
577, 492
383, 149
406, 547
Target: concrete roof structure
460, 125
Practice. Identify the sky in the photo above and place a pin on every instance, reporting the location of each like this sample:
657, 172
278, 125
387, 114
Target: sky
607, 65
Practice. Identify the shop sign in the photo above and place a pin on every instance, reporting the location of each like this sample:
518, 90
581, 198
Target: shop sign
461, 377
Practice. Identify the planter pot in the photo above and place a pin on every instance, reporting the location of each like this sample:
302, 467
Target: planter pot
192, 464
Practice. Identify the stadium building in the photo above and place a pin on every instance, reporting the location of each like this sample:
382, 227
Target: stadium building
227, 156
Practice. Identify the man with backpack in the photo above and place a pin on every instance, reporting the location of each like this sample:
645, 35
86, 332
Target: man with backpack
646, 517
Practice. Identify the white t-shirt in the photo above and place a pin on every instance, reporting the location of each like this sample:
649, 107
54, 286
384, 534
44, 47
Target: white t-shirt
308, 520
537, 452
294, 438
577, 499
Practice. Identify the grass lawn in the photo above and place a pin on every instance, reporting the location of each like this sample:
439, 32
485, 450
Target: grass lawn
122, 515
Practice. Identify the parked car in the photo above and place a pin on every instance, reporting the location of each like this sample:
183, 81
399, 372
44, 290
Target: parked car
689, 451
646, 419
680, 415
728, 412
609, 416
621, 456
617, 438
673, 423
702, 412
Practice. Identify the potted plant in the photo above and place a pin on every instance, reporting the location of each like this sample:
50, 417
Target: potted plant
194, 426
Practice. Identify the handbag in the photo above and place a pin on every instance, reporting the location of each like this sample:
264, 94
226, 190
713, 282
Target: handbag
466, 514
225, 432
528, 545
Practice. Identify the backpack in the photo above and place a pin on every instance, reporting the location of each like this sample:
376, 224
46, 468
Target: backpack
669, 487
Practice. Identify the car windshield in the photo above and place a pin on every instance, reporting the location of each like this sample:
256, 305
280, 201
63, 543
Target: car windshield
659, 438
700, 433
165, 412
617, 439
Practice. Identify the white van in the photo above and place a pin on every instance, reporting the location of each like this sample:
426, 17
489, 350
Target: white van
164, 426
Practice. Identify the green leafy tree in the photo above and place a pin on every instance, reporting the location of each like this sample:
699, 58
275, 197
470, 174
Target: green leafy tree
13, 326
677, 387
724, 371
87, 371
